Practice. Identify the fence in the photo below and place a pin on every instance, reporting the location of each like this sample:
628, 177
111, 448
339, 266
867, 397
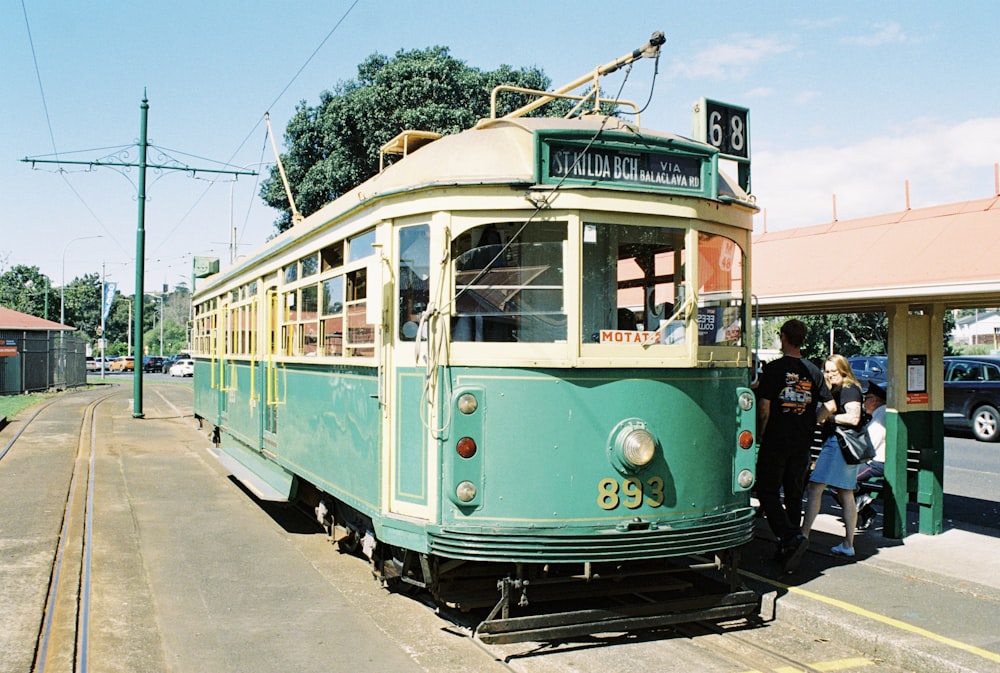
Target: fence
37, 361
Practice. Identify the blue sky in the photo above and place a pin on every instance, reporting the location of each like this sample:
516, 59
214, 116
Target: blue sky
848, 98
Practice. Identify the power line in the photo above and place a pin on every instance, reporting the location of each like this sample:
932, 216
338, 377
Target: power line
295, 76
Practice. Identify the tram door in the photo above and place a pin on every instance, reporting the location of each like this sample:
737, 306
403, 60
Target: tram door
265, 373
412, 454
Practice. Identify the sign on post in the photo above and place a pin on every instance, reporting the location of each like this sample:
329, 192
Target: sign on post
725, 127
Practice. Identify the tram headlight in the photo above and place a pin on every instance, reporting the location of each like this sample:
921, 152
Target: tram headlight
632, 445
467, 403
638, 447
746, 401
745, 479
465, 491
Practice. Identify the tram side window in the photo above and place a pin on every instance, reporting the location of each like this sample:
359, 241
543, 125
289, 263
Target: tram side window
332, 256
202, 336
332, 315
633, 279
720, 291
360, 333
308, 320
412, 277
289, 331
509, 283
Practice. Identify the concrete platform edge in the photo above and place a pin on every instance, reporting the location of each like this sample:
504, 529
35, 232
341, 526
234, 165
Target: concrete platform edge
873, 639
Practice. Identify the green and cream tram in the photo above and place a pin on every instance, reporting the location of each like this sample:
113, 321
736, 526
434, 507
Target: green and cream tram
517, 354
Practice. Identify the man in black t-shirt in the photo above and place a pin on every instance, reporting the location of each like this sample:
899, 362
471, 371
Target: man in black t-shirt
789, 391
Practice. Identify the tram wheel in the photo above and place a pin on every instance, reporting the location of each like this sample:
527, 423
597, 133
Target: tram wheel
349, 543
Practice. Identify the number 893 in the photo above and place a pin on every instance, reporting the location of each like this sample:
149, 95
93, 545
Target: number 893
630, 493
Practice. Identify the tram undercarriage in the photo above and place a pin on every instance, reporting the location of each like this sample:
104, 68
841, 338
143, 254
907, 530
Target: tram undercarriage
545, 602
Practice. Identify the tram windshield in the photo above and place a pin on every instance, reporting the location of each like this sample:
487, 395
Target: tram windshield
509, 283
635, 287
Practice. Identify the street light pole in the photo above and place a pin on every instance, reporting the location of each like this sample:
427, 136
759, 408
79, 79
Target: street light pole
62, 290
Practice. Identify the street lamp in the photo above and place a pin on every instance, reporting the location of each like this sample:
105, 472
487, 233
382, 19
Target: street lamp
62, 290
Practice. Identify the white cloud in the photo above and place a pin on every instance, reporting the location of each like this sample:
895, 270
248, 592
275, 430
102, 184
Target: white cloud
730, 60
944, 163
882, 33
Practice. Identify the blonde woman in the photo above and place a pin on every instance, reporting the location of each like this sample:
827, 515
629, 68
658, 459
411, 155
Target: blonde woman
831, 469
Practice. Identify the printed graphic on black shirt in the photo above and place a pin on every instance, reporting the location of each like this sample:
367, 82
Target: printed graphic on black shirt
796, 397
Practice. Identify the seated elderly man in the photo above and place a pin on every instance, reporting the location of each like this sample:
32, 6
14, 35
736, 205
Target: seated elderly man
874, 401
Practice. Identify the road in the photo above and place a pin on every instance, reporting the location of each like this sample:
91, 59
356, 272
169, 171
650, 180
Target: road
971, 480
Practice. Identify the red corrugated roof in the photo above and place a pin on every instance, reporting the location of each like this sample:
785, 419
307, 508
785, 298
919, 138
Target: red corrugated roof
11, 319
947, 252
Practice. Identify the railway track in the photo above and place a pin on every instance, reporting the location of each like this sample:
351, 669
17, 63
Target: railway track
63, 637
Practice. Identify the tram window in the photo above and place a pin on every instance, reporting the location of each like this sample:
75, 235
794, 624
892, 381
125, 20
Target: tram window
291, 273
412, 275
309, 265
309, 319
332, 256
361, 246
720, 291
509, 283
360, 333
332, 319
632, 281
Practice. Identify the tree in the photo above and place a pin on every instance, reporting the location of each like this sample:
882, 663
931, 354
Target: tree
857, 334
334, 146
83, 304
853, 334
26, 290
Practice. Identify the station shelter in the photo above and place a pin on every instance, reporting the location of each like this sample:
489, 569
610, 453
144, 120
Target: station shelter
38, 355
913, 265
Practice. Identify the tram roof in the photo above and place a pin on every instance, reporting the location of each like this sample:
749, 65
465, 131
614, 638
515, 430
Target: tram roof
941, 254
498, 151
495, 151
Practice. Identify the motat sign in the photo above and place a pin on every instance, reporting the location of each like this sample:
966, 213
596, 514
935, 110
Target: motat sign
627, 167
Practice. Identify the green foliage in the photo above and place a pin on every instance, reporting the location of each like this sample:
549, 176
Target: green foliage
853, 334
26, 290
23, 289
334, 146
83, 304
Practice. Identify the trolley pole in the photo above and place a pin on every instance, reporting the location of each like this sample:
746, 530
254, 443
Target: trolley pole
140, 257
140, 234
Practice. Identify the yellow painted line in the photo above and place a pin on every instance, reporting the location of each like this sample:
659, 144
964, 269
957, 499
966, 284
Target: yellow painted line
850, 607
841, 664
835, 665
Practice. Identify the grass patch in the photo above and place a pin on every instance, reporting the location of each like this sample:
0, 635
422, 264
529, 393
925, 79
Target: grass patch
13, 405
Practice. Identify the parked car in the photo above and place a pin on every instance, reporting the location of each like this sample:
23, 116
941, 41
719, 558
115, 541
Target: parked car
870, 367
92, 365
152, 363
123, 364
98, 360
972, 394
182, 367
168, 362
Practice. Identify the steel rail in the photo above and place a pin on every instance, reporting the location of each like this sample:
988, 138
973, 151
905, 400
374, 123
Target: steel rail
62, 579
23, 427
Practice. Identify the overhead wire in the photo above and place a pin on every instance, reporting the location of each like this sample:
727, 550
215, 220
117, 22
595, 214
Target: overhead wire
260, 121
52, 136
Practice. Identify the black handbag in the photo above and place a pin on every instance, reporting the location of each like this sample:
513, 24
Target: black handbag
855, 444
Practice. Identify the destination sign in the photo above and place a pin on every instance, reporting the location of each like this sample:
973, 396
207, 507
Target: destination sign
620, 166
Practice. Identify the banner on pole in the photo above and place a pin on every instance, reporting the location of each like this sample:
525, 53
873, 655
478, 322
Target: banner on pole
109, 296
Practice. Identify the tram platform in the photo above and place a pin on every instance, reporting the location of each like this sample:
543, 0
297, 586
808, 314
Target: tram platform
925, 603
